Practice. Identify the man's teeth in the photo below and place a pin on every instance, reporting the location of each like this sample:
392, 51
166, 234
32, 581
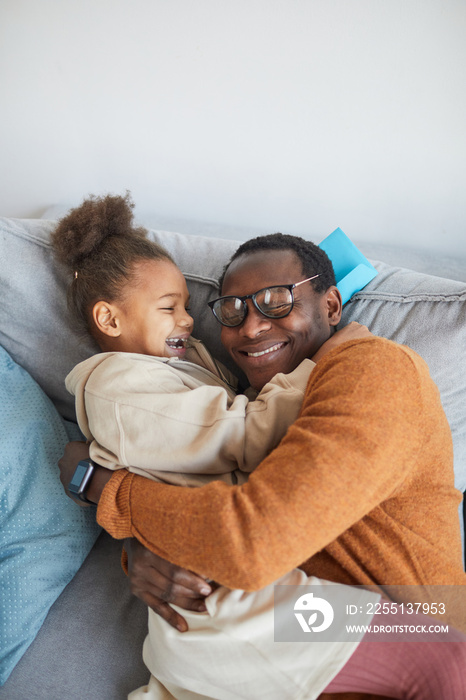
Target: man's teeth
176, 342
264, 352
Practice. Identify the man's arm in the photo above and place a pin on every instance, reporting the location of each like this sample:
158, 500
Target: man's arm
154, 580
348, 451
75, 452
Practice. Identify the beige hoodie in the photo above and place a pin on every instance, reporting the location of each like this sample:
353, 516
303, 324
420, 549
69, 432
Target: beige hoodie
180, 421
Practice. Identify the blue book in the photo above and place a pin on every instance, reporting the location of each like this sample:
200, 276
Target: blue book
352, 270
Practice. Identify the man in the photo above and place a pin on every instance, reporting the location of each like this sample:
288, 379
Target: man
359, 491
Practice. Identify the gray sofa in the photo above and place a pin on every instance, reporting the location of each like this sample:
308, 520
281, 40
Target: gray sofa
89, 644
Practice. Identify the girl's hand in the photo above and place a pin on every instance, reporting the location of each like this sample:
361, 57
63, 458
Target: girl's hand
353, 331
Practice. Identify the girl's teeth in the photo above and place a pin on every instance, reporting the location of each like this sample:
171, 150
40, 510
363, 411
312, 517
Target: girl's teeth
264, 352
175, 342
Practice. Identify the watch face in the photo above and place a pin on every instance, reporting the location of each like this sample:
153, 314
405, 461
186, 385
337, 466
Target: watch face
78, 476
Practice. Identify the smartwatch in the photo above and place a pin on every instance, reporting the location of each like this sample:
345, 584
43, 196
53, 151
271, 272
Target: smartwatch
81, 479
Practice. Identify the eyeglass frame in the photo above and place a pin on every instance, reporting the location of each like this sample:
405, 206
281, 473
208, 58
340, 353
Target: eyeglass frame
290, 288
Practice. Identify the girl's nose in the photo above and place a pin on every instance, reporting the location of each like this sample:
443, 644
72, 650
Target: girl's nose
187, 320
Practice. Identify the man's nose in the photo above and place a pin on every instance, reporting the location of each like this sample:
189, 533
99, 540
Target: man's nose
255, 322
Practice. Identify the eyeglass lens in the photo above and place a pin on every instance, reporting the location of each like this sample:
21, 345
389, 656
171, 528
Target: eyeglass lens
273, 302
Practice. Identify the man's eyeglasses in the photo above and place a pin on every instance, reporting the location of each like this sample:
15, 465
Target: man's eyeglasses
272, 302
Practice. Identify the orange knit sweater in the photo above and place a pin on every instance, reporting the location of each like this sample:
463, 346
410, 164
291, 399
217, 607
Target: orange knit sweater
359, 491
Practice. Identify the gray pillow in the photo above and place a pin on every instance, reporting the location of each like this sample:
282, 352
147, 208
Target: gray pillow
425, 312
34, 325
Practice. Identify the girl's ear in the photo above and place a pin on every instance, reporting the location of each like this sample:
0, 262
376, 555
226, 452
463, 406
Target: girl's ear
334, 306
106, 318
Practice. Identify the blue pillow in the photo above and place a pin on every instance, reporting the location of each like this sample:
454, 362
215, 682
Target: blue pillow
44, 536
353, 271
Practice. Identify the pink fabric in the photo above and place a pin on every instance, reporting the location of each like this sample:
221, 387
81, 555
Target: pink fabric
408, 670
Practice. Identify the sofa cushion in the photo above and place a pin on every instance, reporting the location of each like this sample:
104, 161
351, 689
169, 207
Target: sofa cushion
425, 312
90, 645
44, 536
34, 325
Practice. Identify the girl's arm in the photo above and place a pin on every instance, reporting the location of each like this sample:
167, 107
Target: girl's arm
154, 420
149, 418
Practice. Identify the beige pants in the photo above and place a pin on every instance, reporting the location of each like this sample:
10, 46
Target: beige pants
156, 691
153, 691
229, 652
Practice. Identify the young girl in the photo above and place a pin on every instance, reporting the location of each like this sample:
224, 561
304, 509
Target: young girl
155, 402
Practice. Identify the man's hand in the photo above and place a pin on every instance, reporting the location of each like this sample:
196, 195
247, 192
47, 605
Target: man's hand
157, 583
353, 331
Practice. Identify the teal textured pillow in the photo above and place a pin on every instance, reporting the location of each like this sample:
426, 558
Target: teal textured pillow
44, 536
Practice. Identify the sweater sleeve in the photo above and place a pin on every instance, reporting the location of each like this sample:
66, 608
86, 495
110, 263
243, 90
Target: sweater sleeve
144, 416
350, 449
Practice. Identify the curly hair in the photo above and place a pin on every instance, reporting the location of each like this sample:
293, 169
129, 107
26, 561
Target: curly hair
99, 244
313, 259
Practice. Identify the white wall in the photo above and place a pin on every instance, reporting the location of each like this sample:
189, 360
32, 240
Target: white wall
294, 115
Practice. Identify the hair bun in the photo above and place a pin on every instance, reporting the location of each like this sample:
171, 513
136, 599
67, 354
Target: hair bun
85, 228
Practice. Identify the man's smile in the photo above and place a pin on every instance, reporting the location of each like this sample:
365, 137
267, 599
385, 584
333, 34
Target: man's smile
264, 351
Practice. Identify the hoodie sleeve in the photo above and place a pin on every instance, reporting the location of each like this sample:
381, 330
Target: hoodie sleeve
148, 417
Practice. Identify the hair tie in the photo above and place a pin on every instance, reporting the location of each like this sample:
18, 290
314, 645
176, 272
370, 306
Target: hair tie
76, 274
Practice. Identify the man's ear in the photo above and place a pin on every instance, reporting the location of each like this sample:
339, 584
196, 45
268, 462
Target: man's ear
106, 318
334, 306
